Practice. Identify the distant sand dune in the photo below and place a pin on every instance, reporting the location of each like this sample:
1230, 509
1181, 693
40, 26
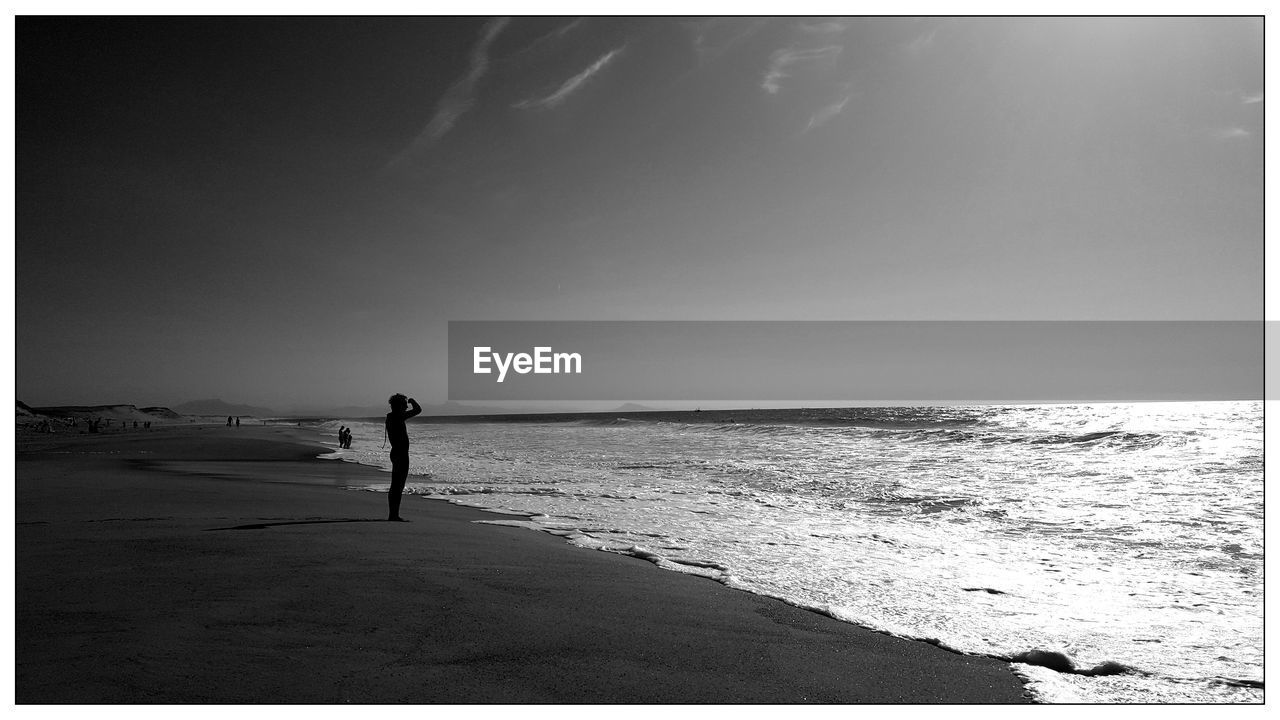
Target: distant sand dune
62, 415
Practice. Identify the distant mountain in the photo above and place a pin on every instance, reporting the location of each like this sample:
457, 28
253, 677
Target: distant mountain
348, 411
454, 408
359, 411
633, 407
221, 408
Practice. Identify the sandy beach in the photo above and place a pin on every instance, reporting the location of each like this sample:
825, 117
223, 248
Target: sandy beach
205, 564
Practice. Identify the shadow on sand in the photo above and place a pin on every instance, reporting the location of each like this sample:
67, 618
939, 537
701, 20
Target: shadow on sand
264, 526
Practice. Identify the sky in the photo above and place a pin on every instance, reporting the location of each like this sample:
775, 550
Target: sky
287, 212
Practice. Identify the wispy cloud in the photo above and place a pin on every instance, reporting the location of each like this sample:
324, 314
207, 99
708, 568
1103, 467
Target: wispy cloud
922, 42
713, 37
569, 86
458, 99
1231, 133
830, 27
781, 60
1252, 98
825, 113
550, 37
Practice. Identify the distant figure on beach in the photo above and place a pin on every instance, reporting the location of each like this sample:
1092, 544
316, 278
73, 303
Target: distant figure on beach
237, 421
342, 436
399, 436
228, 421
346, 439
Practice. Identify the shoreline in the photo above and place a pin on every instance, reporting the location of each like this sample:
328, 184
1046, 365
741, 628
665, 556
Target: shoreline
207, 564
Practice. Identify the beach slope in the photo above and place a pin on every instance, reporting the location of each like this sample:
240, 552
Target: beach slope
227, 565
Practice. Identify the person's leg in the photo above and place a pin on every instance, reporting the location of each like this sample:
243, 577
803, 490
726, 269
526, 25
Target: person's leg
399, 474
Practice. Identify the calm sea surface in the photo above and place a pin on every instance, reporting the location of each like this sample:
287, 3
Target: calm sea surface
1125, 533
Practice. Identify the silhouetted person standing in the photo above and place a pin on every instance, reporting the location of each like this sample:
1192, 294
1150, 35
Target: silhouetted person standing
399, 436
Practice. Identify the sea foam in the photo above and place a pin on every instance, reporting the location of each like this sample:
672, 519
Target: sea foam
1120, 536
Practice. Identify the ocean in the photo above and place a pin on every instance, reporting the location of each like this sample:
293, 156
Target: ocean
1112, 534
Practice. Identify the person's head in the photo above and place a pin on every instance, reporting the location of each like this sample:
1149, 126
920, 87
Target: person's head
398, 402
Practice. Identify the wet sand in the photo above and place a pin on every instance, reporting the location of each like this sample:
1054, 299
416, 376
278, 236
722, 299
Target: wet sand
227, 565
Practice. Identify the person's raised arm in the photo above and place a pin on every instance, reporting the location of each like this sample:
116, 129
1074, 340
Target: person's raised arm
414, 408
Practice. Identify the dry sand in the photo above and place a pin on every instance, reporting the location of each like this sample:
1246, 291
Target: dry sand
226, 565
